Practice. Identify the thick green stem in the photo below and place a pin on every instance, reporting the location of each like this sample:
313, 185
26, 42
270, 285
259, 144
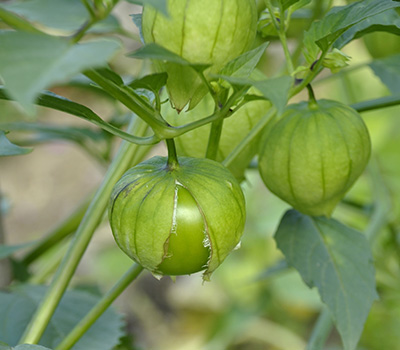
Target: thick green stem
213, 140
5, 266
64, 229
92, 218
321, 331
80, 329
172, 156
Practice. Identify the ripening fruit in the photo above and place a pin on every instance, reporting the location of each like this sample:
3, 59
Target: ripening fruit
202, 32
177, 221
313, 154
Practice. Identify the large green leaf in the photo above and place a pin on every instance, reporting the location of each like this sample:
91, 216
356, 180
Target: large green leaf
338, 261
30, 62
386, 21
65, 15
159, 5
388, 70
9, 149
20, 305
324, 33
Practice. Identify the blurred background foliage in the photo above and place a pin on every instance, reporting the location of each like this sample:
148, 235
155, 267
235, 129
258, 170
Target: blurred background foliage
254, 301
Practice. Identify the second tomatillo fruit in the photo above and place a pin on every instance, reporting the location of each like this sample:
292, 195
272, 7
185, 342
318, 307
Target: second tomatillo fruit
313, 154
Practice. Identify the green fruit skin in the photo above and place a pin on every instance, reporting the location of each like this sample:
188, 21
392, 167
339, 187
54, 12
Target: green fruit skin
201, 31
177, 221
235, 128
313, 154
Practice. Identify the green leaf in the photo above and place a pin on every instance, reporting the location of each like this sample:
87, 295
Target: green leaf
157, 52
51, 100
8, 250
152, 82
65, 15
9, 149
30, 62
245, 64
20, 304
388, 70
324, 33
159, 5
388, 21
276, 89
338, 261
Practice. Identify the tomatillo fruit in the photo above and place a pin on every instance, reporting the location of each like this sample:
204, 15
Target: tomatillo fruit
313, 154
177, 220
202, 32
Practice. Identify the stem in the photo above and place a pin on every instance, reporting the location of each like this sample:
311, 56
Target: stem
172, 157
5, 267
321, 331
65, 228
312, 100
213, 140
17, 22
92, 218
280, 28
79, 330
253, 134
384, 102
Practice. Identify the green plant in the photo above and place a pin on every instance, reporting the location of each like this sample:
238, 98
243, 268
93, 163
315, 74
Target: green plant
207, 80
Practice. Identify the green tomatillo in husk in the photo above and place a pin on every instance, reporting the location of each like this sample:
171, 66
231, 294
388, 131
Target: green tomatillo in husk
177, 220
313, 154
202, 32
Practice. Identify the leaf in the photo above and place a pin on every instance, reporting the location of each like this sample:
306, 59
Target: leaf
159, 5
157, 52
245, 64
386, 21
324, 33
152, 82
289, 3
137, 20
8, 250
9, 149
388, 70
276, 89
20, 304
51, 100
30, 62
65, 15
338, 261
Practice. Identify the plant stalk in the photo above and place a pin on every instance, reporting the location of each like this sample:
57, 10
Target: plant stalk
321, 331
81, 328
126, 154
